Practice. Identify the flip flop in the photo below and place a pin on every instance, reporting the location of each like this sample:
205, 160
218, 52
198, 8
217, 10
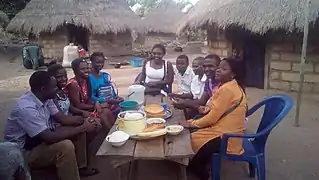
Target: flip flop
86, 172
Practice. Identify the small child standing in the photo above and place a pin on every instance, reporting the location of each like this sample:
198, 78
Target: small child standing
184, 75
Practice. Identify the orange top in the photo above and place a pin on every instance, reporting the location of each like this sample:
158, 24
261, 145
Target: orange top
212, 127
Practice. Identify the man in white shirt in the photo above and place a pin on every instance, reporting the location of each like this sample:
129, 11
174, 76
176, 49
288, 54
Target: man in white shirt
184, 74
198, 81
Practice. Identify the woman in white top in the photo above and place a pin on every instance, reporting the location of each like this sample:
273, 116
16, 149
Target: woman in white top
157, 74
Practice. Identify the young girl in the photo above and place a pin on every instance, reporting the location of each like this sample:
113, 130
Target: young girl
62, 101
102, 89
78, 93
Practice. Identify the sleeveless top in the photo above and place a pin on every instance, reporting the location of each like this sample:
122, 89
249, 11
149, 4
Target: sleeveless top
154, 75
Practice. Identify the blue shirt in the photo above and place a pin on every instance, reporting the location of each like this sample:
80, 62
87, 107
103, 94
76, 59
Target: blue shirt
28, 118
102, 88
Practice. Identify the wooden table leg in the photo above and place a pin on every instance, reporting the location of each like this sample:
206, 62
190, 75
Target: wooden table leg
119, 174
182, 172
132, 167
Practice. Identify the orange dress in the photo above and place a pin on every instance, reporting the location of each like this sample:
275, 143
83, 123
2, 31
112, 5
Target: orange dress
211, 126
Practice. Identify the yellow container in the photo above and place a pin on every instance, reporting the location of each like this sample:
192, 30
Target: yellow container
131, 126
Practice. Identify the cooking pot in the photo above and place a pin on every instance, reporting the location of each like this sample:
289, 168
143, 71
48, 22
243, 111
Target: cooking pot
132, 122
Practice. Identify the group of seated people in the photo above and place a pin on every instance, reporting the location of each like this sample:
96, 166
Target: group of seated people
62, 122
212, 95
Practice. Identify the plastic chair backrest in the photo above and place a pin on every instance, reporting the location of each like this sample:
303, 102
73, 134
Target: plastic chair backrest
275, 109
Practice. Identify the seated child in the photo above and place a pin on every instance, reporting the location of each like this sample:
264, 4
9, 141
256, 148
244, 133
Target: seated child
184, 75
102, 89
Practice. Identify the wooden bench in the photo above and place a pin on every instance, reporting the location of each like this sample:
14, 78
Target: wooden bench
172, 148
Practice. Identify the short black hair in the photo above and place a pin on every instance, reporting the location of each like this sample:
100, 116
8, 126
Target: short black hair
54, 68
76, 63
183, 57
39, 79
238, 69
95, 55
213, 56
160, 46
200, 58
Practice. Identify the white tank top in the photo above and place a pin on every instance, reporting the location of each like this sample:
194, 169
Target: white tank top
154, 75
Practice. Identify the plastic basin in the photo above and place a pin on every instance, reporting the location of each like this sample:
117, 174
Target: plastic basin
136, 61
128, 105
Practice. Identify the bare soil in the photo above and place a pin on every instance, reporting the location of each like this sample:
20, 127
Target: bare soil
291, 151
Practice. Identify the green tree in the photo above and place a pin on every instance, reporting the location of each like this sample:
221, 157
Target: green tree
148, 5
12, 7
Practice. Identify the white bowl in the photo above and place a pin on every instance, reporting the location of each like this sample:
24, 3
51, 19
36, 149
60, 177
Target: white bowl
155, 121
117, 138
174, 129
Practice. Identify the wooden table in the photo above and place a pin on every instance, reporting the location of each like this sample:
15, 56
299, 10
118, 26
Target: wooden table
173, 148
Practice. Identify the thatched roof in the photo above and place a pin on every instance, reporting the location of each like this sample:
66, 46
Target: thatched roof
4, 19
163, 19
258, 16
98, 16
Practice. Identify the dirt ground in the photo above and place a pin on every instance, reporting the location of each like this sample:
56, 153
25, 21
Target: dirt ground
291, 151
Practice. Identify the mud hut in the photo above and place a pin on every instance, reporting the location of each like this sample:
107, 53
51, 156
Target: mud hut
98, 25
268, 35
161, 24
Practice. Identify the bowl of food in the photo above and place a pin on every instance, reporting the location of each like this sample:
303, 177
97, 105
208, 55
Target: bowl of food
154, 111
174, 129
155, 121
117, 138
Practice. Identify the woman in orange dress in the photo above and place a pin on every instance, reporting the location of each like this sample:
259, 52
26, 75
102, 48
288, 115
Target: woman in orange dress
227, 115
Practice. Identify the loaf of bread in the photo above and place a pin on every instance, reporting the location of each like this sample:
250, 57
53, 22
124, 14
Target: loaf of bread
154, 127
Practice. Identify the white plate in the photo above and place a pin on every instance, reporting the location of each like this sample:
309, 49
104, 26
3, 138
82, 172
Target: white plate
178, 130
155, 121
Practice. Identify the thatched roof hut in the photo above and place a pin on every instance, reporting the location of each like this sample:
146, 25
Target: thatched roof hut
161, 24
258, 16
98, 16
163, 19
266, 34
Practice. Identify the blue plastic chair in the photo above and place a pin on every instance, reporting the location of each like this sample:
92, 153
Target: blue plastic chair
276, 108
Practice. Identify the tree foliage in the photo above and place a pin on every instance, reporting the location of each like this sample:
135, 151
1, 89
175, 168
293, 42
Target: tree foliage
12, 7
148, 5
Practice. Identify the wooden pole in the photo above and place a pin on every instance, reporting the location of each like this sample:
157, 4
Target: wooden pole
302, 63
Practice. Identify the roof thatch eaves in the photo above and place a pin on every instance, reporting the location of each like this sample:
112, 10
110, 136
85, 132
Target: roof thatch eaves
163, 19
98, 16
198, 15
258, 16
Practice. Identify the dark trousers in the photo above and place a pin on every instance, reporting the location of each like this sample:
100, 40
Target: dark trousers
203, 157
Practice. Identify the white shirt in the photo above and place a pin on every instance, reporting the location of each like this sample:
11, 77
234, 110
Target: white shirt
197, 86
184, 81
154, 75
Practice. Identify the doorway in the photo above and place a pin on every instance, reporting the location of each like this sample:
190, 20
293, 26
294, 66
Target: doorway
254, 51
78, 35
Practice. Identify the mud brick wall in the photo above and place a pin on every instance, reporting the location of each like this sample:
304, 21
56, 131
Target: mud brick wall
157, 38
284, 62
52, 43
218, 43
111, 44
